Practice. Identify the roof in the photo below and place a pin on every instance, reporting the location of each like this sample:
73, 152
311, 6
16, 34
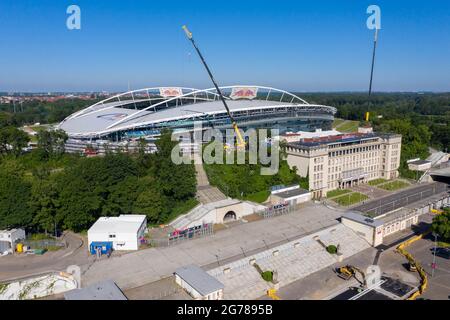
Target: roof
199, 279
362, 219
419, 162
291, 193
144, 108
105, 290
100, 120
129, 223
341, 138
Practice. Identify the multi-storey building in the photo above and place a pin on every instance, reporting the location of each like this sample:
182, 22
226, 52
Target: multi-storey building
345, 160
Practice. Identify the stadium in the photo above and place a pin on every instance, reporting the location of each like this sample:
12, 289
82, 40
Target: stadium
145, 112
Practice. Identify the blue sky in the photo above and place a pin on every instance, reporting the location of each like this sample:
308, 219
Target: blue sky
311, 45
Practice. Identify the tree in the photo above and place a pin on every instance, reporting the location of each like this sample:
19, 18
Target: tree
12, 141
151, 203
51, 143
14, 196
441, 224
44, 203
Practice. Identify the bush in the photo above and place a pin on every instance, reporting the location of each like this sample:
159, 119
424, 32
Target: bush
267, 275
332, 249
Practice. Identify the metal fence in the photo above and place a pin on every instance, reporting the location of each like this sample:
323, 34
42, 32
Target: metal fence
276, 210
179, 236
44, 244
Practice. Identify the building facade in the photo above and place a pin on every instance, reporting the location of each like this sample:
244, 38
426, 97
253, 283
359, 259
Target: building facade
342, 161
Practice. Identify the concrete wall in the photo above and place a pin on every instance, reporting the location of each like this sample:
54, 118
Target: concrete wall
373, 236
216, 295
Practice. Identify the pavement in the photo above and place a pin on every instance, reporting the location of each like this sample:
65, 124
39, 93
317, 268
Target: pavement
324, 283
153, 264
24, 265
401, 198
370, 191
439, 283
293, 260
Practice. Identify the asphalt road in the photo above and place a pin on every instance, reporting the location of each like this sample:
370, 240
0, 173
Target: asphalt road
22, 265
439, 283
402, 198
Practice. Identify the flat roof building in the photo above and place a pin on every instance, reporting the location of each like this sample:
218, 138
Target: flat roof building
105, 290
198, 283
345, 160
292, 195
118, 233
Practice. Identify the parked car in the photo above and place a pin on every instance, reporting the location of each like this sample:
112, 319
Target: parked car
442, 252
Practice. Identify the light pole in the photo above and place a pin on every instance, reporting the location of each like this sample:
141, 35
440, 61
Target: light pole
433, 265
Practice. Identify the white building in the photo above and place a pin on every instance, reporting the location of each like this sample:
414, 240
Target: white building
119, 233
345, 160
198, 283
369, 229
8, 238
291, 194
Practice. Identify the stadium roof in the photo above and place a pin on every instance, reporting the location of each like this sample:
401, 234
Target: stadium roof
135, 109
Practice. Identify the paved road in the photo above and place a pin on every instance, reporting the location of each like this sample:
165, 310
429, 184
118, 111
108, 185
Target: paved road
402, 198
153, 264
18, 266
439, 284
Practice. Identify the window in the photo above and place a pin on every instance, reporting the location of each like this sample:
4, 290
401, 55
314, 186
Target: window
112, 236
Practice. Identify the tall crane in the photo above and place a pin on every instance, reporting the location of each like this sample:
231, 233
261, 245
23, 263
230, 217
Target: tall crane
371, 72
240, 140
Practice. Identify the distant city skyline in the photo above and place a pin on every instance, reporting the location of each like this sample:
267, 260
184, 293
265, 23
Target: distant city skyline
300, 46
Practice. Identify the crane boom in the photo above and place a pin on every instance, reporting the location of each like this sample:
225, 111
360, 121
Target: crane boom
241, 141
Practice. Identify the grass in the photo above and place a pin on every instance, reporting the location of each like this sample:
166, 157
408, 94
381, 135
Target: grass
337, 192
377, 182
337, 122
394, 185
40, 236
443, 244
181, 208
346, 126
258, 197
351, 198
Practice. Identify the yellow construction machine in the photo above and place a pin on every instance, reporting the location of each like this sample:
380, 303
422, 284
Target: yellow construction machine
348, 271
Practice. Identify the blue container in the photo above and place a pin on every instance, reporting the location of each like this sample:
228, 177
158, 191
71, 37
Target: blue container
104, 247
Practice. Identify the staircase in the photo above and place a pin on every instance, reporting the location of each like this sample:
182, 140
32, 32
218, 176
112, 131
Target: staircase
205, 192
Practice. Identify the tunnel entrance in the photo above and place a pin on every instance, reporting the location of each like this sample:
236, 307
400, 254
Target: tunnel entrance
229, 216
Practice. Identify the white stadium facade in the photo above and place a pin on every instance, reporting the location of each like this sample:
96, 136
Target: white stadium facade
126, 117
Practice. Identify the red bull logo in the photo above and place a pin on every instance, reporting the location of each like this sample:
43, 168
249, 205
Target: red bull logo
243, 93
170, 92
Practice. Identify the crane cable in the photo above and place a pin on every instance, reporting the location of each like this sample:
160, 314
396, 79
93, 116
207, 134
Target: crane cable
241, 142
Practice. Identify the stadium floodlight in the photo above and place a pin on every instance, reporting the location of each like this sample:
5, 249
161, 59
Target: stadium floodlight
241, 142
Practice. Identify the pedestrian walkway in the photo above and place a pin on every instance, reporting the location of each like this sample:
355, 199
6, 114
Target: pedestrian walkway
205, 192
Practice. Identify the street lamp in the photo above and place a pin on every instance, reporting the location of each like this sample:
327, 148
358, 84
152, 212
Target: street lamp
433, 265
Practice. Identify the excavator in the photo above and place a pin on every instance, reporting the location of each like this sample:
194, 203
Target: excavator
240, 141
348, 271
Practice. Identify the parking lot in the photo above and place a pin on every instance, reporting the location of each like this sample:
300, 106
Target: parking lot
439, 283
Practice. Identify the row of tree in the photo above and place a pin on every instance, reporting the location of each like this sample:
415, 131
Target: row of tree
71, 191
422, 119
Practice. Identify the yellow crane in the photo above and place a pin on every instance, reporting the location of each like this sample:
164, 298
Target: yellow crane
240, 140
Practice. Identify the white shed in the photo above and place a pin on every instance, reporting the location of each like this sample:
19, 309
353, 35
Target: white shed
8, 238
198, 283
119, 233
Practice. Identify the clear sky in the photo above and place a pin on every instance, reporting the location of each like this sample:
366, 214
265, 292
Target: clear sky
309, 45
